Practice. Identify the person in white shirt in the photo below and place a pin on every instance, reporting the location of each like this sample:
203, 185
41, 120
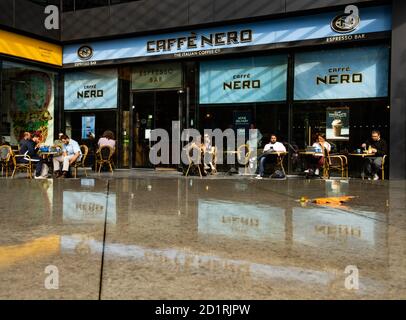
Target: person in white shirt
71, 154
269, 154
322, 147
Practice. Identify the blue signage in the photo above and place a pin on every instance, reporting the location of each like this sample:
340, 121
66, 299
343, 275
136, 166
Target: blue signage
215, 40
361, 72
95, 89
88, 126
257, 79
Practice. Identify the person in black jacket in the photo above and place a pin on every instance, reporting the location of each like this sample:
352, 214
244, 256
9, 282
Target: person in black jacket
29, 146
379, 147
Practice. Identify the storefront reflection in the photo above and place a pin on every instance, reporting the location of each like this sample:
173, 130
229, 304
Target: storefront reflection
89, 207
240, 220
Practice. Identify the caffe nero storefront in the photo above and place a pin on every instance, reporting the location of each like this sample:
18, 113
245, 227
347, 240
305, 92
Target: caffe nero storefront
295, 77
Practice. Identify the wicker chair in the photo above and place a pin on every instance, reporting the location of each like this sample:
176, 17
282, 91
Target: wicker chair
22, 166
104, 156
336, 162
194, 162
383, 166
243, 156
5, 159
82, 162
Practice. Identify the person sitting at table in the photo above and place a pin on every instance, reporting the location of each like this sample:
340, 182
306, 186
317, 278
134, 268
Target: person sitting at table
71, 154
208, 154
268, 155
317, 161
379, 148
29, 146
107, 139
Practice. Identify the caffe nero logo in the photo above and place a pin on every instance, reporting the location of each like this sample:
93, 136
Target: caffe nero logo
85, 52
347, 22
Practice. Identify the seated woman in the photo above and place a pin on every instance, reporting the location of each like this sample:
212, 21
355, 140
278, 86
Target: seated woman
107, 140
317, 161
208, 152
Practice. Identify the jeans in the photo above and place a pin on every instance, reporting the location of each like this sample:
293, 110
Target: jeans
373, 165
263, 159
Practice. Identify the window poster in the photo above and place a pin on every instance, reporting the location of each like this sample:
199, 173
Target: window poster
338, 124
88, 126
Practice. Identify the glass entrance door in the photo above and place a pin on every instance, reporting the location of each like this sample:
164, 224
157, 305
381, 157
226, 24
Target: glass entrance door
152, 110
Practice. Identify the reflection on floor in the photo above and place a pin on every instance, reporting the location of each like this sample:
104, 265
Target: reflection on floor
175, 238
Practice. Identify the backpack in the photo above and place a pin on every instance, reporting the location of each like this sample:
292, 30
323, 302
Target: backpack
278, 174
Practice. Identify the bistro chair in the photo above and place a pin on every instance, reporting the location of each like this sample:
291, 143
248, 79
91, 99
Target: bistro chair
104, 156
214, 160
243, 156
194, 162
336, 162
16, 148
383, 166
5, 159
82, 162
22, 166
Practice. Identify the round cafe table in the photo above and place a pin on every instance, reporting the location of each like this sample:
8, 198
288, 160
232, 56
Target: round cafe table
362, 156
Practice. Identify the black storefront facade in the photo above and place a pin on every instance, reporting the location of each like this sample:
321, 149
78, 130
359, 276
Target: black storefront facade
291, 76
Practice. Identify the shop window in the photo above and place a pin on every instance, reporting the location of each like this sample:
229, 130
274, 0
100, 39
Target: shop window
346, 124
28, 102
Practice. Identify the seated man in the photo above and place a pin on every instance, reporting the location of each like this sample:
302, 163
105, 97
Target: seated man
29, 146
71, 154
269, 154
379, 147
58, 142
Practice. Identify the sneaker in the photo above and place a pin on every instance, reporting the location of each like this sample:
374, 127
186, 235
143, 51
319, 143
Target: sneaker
317, 172
63, 175
39, 177
307, 171
376, 177
258, 177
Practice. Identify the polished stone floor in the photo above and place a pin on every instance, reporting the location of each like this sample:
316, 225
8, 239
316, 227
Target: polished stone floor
145, 235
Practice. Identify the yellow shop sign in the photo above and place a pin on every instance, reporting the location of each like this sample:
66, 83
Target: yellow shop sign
24, 47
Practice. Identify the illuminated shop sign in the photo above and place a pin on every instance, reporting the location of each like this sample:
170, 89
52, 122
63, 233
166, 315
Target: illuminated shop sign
257, 79
159, 76
24, 47
96, 89
202, 41
342, 73
324, 28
